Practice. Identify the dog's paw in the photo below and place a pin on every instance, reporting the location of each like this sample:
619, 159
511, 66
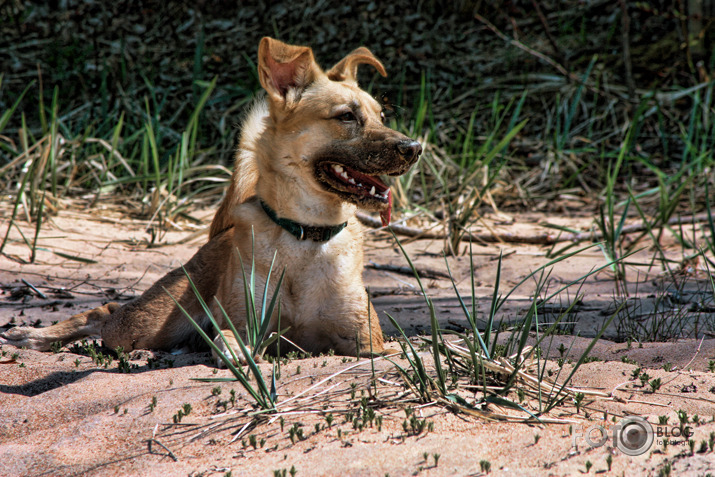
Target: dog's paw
221, 345
25, 337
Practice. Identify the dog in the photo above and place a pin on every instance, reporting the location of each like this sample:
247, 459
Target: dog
309, 154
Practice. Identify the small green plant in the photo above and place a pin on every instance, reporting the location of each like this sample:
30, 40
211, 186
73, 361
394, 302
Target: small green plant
609, 461
152, 404
485, 466
588, 466
662, 420
536, 438
216, 391
296, 432
667, 467
683, 421
578, 401
654, 385
123, 365
703, 447
181, 413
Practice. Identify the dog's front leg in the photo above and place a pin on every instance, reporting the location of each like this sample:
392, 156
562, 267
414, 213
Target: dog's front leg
223, 344
361, 335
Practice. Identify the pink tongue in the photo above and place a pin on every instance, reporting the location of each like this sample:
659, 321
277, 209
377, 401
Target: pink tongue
386, 214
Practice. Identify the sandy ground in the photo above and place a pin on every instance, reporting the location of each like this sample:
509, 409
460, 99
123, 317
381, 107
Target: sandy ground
64, 414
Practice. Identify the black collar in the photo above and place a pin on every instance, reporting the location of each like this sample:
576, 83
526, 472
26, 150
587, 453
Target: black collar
304, 232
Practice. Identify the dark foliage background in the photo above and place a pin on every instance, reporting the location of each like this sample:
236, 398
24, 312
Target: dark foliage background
466, 59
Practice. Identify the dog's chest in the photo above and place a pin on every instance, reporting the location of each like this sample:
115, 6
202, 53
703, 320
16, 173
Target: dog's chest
327, 277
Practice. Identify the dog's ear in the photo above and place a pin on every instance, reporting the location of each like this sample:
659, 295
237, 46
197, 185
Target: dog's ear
285, 70
346, 69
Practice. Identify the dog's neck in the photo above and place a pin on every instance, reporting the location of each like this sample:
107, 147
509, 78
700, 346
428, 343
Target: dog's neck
306, 209
303, 231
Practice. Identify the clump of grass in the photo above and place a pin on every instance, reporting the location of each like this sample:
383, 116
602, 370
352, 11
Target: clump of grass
475, 358
264, 396
258, 321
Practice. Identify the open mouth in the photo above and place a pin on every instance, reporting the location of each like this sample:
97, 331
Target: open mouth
365, 190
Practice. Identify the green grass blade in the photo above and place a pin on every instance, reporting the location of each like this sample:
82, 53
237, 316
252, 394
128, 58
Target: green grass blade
470, 318
7, 114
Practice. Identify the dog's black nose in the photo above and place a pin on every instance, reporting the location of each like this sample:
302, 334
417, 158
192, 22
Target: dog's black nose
410, 150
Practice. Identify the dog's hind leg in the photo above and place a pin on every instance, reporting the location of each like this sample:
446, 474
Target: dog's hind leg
82, 325
152, 321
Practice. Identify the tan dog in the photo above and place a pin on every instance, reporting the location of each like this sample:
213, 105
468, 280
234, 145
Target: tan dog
308, 155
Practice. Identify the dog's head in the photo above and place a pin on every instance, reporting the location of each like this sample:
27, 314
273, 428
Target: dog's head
330, 130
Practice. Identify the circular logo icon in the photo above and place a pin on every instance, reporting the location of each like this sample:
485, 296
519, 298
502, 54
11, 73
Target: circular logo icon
634, 435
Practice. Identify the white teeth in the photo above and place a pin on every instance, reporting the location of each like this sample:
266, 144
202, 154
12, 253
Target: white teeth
344, 175
351, 180
372, 191
359, 185
337, 168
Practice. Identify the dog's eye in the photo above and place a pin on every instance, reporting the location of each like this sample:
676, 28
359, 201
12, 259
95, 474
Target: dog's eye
346, 117
382, 117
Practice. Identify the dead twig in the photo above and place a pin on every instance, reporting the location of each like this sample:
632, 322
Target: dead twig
545, 238
39, 293
170, 454
626, 42
423, 272
547, 30
153, 439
